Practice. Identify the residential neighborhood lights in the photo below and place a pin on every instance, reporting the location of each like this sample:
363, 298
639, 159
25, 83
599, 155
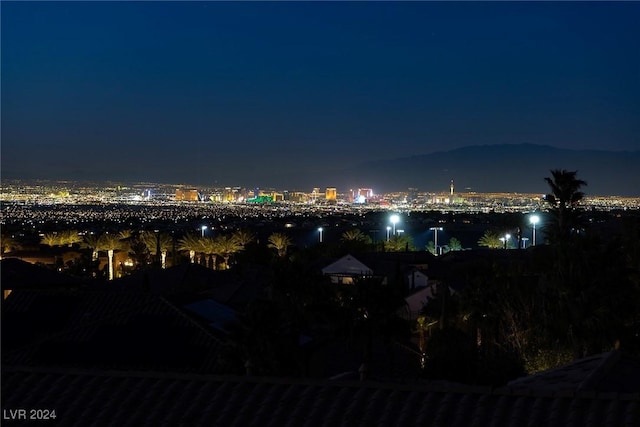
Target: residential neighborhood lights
534, 219
394, 220
435, 239
320, 230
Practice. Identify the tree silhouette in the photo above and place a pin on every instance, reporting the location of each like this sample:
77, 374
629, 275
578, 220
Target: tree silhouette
564, 197
157, 241
454, 244
490, 239
50, 239
8, 244
191, 244
355, 235
228, 245
243, 237
110, 243
69, 237
280, 242
399, 243
212, 248
92, 241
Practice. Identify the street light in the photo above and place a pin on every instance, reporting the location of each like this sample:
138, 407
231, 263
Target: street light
204, 227
394, 220
388, 231
524, 242
506, 240
435, 240
320, 229
534, 219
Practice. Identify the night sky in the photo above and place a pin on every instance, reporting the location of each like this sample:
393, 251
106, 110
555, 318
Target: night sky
234, 93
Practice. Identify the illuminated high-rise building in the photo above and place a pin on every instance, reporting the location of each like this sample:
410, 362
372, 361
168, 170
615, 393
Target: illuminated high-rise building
187, 195
227, 195
299, 197
451, 187
367, 193
330, 193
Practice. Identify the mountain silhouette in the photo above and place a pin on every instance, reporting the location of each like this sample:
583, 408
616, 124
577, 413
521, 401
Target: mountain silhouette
500, 168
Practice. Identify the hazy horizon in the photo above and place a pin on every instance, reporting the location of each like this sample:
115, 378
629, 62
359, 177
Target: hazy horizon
228, 91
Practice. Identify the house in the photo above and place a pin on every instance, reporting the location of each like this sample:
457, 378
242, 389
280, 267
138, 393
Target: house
410, 268
417, 300
416, 277
347, 269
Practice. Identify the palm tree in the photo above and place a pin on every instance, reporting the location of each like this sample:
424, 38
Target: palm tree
50, 239
454, 244
228, 246
211, 247
125, 234
355, 240
355, 235
192, 244
399, 243
243, 237
157, 241
280, 242
110, 243
490, 239
8, 243
92, 241
423, 327
69, 237
565, 195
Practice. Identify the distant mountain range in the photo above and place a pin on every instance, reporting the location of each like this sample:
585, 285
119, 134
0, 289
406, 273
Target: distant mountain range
500, 168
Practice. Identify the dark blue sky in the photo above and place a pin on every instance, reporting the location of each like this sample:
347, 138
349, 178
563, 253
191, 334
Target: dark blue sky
233, 93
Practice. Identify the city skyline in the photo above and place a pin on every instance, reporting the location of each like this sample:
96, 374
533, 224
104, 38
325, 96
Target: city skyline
249, 93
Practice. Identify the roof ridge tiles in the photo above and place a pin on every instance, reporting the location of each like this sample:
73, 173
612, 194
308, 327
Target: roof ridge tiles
461, 389
606, 364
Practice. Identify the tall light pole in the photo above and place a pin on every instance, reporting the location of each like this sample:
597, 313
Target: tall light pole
534, 219
506, 240
388, 232
394, 220
435, 239
320, 230
204, 227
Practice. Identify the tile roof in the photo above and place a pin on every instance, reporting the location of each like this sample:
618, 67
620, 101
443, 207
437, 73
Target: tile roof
85, 398
613, 371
